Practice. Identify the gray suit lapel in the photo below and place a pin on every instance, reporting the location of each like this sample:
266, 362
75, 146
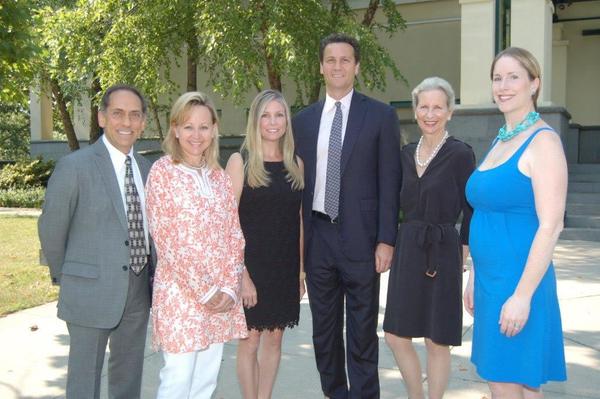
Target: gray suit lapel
109, 177
142, 162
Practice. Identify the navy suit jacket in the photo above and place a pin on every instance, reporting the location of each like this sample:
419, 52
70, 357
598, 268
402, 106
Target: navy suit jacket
370, 174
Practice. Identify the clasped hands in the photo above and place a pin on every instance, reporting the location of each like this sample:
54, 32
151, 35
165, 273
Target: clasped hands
220, 302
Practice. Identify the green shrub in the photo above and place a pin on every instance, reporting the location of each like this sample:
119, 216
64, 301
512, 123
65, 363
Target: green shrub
26, 174
14, 130
32, 197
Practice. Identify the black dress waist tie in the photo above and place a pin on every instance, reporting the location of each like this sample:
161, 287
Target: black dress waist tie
429, 237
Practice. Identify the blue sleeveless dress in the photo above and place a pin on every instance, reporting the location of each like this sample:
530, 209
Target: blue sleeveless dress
503, 226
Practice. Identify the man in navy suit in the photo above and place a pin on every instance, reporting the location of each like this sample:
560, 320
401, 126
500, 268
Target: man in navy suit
351, 151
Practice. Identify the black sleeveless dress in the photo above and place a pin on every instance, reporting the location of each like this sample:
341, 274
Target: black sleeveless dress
270, 219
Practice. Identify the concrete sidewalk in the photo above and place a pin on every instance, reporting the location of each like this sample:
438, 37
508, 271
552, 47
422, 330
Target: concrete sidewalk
34, 350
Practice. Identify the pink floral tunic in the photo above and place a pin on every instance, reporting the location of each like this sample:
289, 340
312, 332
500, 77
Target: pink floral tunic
193, 219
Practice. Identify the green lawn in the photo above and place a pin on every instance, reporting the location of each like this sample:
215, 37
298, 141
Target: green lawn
23, 282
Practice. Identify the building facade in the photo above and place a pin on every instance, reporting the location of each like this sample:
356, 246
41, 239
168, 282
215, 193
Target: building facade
456, 40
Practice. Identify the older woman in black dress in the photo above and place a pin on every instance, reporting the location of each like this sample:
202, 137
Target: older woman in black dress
425, 285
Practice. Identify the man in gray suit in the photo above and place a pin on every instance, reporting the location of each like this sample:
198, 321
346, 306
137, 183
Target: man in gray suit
94, 236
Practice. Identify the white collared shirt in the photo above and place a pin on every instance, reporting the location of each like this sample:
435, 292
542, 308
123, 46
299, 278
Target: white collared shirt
323, 145
118, 161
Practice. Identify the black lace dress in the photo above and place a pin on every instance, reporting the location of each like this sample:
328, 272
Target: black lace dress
270, 219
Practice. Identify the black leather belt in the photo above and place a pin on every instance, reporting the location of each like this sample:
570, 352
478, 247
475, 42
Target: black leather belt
324, 216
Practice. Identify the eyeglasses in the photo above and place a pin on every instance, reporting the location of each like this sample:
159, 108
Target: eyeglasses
120, 115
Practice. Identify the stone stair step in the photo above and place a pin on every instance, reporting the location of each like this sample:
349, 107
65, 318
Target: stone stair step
584, 187
583, 198
583, 221
583, 209
584, 177
580, 233
584, 168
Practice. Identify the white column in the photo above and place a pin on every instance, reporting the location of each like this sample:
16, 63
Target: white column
81, 117
477, 38
559, 66
531, 28
40, 112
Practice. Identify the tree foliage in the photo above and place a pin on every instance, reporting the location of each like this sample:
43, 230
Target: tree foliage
243, 42
16, 46
79, 47
14, 131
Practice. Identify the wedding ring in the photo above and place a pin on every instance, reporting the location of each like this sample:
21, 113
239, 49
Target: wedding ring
517, 325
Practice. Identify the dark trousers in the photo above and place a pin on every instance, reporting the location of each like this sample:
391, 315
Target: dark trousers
127, 341
331, 278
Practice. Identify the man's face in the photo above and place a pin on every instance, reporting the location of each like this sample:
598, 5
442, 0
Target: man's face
123, 120
339, 67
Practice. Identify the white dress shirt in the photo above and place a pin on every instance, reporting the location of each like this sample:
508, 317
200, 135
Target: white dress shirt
118, 161
323, 145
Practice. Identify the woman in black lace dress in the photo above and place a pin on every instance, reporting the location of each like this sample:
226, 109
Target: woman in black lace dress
267, 181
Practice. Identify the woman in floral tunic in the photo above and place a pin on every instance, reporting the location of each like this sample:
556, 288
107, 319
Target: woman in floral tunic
192, 215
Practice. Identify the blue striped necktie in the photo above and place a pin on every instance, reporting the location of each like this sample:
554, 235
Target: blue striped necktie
334, 156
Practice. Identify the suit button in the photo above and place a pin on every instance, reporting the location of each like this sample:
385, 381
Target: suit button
126, 243
125, 268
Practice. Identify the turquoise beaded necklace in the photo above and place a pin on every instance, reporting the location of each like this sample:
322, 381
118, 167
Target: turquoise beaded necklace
530, 119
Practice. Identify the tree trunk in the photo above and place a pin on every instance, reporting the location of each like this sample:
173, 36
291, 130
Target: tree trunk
157, 118
94, 126
272, 73
192, 66
370, 13
336, 9
64, 115
274, 78
315, 91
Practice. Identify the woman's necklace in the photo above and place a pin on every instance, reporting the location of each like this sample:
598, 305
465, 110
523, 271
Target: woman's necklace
530, 119
201, 167
433, 153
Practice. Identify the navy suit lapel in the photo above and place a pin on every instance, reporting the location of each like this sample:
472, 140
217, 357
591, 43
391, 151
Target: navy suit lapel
356, 116
109, 177
313, 128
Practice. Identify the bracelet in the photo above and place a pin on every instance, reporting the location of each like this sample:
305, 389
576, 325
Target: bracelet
302, 276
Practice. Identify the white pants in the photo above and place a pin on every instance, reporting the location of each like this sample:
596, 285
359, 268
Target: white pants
191, 375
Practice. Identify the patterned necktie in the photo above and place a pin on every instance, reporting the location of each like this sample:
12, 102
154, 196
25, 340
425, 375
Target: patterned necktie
334, 156
135, 222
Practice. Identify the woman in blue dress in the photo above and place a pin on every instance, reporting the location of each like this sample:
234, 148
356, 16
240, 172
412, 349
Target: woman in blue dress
518, 194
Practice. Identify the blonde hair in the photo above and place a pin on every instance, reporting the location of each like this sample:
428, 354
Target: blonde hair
179, 114
254, 168
527, 61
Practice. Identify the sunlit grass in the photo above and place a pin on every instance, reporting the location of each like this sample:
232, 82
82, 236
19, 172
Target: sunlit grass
23, 282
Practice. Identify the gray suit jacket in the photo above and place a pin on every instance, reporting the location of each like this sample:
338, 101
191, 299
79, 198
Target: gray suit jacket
83, 232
